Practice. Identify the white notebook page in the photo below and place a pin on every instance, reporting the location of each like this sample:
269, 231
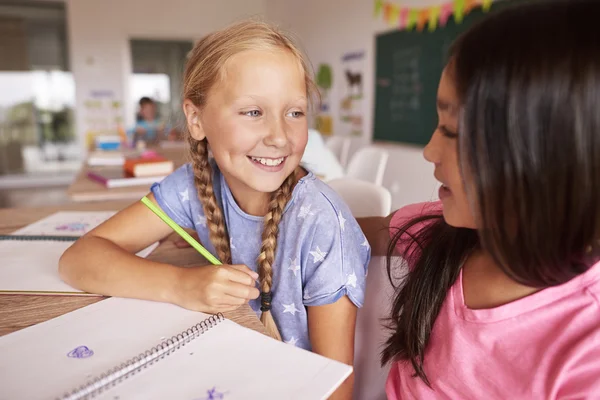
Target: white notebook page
228, 359
31, 266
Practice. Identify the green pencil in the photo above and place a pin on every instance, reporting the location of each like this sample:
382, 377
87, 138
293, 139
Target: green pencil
180, 231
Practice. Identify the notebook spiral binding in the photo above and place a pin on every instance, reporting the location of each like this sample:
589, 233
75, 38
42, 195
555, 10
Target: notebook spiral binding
39, 237
129, 368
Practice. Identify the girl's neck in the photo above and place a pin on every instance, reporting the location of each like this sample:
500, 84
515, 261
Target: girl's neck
485, 285
251, 201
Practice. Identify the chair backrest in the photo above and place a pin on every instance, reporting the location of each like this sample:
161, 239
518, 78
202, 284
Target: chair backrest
368, 164
368, 199
370, 332
340, 146
365, 199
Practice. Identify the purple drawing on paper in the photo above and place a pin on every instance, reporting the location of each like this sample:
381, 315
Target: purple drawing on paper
81, 352
213, 394
73, 227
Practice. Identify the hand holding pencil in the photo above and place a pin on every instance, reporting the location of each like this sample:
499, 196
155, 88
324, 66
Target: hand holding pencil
209, 288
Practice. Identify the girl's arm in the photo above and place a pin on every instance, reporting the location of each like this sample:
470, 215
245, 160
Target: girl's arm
331, 330
103, 261
377, 231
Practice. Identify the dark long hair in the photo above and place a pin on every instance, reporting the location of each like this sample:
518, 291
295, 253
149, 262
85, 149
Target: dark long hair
528, 79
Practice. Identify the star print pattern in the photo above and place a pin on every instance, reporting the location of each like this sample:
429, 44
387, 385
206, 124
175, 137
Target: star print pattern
294, 266
231, 245
305, 211
201, 220
351, 280
292, 341
318, 255
290, 308
185, 196
321, 251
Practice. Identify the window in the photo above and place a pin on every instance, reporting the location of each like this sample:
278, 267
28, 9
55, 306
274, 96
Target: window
37, 91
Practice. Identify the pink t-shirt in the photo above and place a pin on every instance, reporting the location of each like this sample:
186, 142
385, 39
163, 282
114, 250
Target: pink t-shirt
543, 346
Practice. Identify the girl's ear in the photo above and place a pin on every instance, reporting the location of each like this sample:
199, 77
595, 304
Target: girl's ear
192, 116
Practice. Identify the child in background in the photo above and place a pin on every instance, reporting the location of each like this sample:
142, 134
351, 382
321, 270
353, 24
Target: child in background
502, 295
148, 127
246, 95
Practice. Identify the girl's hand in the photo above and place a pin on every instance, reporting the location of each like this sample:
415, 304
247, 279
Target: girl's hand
213, 289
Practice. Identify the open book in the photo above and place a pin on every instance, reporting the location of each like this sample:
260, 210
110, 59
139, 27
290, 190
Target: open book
120, 349
30, 255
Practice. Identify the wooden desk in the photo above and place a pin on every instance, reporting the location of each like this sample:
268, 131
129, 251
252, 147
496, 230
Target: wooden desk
84, 189
20, 311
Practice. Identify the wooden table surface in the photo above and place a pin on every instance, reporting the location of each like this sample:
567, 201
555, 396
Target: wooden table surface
84, 189
20, 311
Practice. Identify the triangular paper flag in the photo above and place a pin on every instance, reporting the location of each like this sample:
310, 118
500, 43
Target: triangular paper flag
378, 6
459, 11
434, 15
413, 15
403, 18
423, 17
445, 13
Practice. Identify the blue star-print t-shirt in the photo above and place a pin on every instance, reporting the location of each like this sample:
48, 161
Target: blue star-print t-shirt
321, 255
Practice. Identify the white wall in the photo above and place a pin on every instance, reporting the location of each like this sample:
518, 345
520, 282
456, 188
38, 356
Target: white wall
329, 28
99, 33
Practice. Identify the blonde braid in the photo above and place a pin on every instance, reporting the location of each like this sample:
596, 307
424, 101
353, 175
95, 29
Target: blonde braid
215, 222
266, 258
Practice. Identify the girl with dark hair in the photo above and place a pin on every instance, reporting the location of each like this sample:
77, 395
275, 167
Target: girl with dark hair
501, 298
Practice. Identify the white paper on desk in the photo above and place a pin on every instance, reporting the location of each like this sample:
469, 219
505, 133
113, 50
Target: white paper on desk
31, 267
68, 223
228, 359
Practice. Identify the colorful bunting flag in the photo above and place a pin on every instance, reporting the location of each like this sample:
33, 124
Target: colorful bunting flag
459, 11
386, 11
394, 13
445, 14
403, 18
434, 16
413, 15
423, 18
469, 5
409, 18
378, 7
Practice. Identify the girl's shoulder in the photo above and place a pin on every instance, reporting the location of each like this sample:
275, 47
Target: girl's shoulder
411, 211
404, 215
316, 202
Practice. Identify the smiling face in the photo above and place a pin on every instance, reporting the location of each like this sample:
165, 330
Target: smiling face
442, 151
255, 120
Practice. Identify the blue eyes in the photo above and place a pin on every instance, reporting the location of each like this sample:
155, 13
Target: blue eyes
253, 113
258, 113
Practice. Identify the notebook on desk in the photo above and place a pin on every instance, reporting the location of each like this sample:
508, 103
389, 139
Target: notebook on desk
134, 349
117, 177
30, 255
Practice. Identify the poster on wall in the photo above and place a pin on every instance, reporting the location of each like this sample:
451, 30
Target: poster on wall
352, 104
103, 115
324, 81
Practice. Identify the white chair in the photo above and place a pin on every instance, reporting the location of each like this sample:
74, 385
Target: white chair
340, 146
368, 164
365, 199
368, 199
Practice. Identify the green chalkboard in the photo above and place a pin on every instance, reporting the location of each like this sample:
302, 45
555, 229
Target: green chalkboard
408, 69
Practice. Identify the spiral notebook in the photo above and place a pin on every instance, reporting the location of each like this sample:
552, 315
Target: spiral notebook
30, 255
120, 349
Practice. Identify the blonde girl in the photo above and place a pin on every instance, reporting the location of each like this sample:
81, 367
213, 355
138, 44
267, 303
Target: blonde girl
246, 95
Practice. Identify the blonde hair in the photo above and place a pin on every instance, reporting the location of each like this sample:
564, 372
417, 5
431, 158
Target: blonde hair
203, 70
